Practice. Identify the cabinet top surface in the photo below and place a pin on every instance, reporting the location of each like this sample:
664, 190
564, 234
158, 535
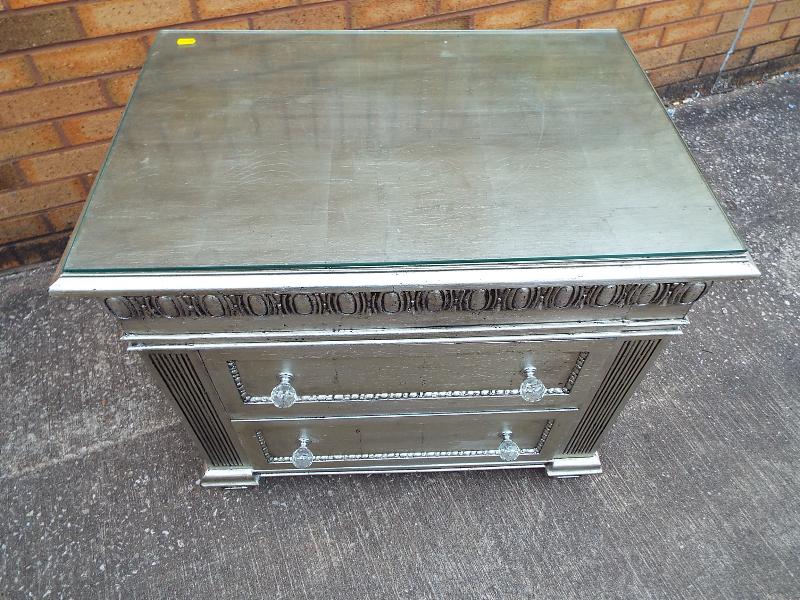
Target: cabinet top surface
272, 150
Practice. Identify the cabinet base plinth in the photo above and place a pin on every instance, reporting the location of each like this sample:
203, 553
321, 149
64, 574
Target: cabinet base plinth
560, 468
229, 478
574, 467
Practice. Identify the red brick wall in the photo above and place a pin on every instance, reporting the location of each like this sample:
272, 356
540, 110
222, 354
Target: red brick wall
67, 68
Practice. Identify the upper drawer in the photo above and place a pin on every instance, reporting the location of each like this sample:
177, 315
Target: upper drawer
405, 376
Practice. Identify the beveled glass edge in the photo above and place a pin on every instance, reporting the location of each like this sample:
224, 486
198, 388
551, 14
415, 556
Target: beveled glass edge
488, 262
389, 31
62, 264
724, 214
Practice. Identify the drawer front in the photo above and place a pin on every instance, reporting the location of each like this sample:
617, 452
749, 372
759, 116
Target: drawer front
399, 442
405, 376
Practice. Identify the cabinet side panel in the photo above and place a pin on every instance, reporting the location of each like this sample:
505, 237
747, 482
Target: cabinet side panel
618, 384
187, 389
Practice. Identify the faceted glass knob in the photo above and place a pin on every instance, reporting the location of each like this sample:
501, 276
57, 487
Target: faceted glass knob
508, 449
302, 457
284, 395
532, 389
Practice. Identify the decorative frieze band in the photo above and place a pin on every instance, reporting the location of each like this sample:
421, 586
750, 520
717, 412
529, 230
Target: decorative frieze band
272, 304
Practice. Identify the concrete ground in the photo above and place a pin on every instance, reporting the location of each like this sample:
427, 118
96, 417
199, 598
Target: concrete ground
700, 498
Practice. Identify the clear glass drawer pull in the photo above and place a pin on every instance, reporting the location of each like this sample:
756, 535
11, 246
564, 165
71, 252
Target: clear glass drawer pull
303, 456
508, 449
532, 389
284, 395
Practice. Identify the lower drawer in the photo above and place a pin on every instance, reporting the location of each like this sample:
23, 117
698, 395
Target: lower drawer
454, 439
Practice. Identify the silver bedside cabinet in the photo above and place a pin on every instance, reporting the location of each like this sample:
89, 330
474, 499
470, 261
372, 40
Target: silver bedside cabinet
360, 252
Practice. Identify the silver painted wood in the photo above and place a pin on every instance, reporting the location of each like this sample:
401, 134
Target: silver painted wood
334, 264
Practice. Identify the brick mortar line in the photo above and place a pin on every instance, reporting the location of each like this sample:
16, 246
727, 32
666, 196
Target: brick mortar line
677, 62
62, 135
562, 21
717, 22
247, 16
102, 78
73, 3
469, 12
55, 120
9, 247
139, 32
678, 44
661, 38
76, 18
577, 18
45, 7
58, 124
770, 61
431, 19
756, 65
88, 113
347, 3
37, 75
47, 222
20, 175
57, 180
279, 10
602, 13
98, 78
639, 19
348, 15
126, 35
36, 213
28, 183
105, 91
12, 250
85, 183
54, 151
194, 9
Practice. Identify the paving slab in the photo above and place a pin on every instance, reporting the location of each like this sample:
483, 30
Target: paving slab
699, 498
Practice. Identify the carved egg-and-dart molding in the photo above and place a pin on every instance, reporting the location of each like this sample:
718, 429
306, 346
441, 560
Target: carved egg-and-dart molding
268, 304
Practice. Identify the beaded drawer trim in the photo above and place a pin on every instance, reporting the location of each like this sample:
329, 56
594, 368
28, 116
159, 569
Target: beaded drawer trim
233, 369
404, 455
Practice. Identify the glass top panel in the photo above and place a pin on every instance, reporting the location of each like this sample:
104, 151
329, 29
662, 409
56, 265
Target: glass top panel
326, 149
